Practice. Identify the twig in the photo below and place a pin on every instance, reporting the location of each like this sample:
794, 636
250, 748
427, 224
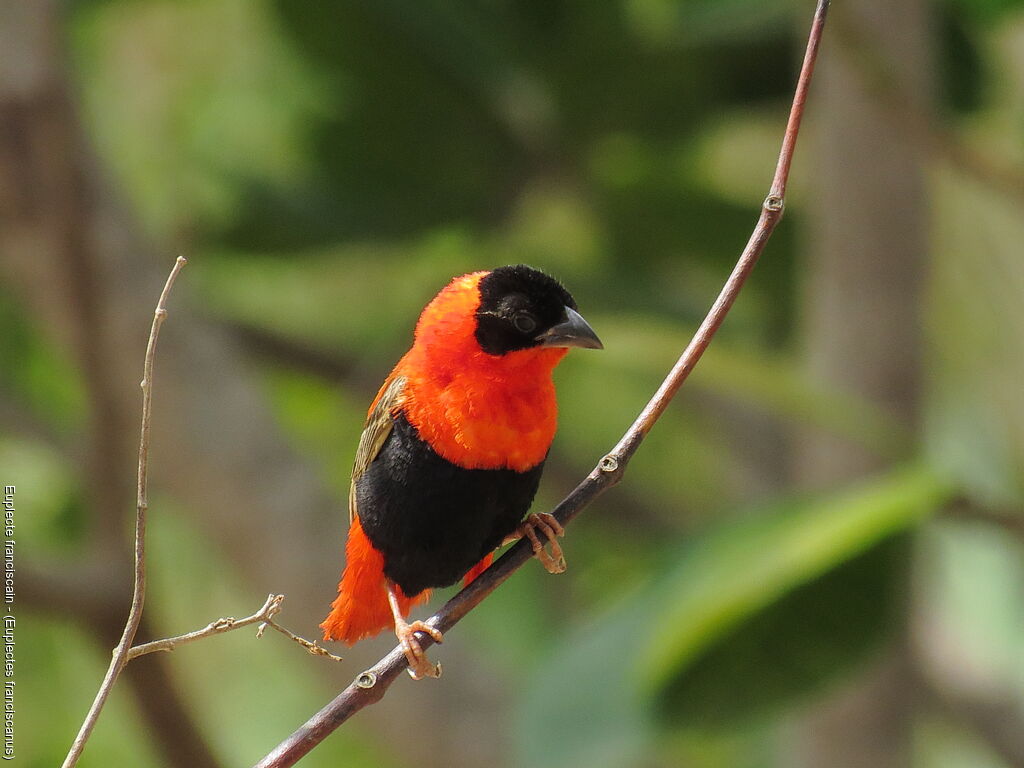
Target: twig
120, 654
370, 686
264, 617
309, 645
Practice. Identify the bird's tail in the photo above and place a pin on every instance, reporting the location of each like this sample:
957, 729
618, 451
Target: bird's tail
361, 608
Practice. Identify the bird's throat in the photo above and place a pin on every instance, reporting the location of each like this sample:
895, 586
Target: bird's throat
490, 416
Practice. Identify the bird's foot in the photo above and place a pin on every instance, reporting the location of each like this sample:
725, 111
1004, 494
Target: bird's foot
419, 665
553, 561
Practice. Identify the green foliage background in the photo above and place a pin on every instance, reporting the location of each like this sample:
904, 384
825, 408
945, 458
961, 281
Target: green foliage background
328, 165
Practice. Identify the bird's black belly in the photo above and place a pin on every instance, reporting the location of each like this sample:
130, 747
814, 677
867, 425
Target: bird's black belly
432, 519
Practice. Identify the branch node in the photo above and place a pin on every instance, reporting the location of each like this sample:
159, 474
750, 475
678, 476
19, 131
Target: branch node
774, 203
269, 610
273, 606
366, 680
609, 464
309, 645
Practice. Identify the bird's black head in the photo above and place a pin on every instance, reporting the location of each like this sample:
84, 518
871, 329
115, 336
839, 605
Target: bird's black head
521, 307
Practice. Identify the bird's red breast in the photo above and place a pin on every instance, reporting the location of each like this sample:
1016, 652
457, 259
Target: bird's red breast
478, 411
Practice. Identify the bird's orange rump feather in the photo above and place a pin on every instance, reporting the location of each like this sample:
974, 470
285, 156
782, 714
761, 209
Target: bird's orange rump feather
361, 608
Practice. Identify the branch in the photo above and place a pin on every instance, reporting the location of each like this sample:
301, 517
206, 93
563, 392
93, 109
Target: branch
264, 616
370, 686
1011, 521
120, 655
298, 354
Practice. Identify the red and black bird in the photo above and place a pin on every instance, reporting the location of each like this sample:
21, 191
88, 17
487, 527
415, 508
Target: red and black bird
453, 450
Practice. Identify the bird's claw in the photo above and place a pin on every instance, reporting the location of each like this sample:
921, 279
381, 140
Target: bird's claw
554, 561
419, 665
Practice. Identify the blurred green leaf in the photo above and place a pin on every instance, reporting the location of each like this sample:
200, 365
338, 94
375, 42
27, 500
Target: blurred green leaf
323, 421
35, 374
974, 422
809, 637
190, 102
971, 578
580, 709
703, 20
963, 70
51, 517
742, 568
755, 611
984, 11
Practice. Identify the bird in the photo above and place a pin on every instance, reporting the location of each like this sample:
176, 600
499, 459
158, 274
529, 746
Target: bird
452, 452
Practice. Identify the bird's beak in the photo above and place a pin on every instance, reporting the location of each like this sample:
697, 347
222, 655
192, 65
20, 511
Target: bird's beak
573, 331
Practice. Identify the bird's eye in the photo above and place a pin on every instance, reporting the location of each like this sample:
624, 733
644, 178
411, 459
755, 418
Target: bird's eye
524, 322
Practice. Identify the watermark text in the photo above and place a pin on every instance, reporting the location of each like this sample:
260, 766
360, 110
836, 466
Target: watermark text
9, 624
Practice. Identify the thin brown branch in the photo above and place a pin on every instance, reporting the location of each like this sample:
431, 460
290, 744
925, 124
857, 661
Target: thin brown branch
310, 645
226, 624
164, 709
120, 654
264, 617
1011, 521
93, 594
370, 686
297, 354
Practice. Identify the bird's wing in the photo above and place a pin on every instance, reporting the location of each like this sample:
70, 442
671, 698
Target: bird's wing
378, 427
